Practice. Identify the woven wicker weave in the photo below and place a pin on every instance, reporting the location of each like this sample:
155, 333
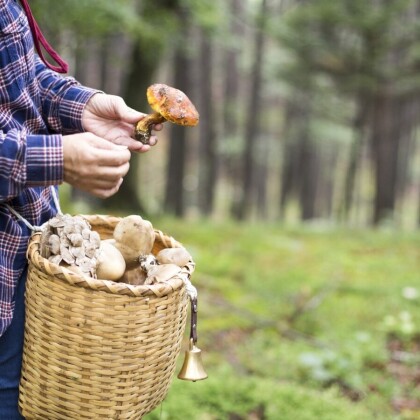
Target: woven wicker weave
96, 349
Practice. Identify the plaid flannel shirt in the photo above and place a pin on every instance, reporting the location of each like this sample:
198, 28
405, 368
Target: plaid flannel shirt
36, 107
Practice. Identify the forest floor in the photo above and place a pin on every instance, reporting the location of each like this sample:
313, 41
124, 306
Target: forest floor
301, 323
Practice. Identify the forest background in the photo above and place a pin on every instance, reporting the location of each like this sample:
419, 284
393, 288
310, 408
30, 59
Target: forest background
309, 109
309, 117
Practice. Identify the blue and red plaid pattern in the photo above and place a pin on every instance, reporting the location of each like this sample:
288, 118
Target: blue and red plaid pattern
36, 106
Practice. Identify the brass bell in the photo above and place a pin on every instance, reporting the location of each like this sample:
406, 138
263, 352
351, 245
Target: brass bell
192, 369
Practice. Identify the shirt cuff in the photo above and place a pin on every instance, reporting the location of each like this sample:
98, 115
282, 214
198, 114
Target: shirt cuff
44, 160
71, 107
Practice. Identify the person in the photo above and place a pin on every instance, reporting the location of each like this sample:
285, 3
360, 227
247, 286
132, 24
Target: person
52, 130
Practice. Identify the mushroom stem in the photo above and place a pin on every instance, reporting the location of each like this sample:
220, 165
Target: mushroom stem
143, 129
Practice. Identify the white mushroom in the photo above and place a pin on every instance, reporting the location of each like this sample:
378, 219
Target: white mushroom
178, 256
111, 264
134, 237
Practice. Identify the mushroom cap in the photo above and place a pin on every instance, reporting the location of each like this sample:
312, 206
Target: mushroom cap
172, 104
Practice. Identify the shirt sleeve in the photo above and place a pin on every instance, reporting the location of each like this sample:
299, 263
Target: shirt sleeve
63, 100
29, 161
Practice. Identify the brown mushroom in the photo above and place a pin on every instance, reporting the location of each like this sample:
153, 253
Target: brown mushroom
169, 104
161, 273
135, 277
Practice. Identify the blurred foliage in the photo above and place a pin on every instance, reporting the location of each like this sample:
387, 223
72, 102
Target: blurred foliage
207, 14
357, 43
87, 17
328, 55
155, 21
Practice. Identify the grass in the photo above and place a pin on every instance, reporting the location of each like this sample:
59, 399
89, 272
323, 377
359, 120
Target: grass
301, 323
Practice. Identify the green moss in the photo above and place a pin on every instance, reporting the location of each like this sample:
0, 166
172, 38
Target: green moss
297, 312
226, 394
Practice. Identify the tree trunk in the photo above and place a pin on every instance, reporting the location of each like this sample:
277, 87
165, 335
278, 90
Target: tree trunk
139, 77
116, 51
139, 70
326, 185
287, 182
384, 143
299, 168
87, 72
289, 169
409, 121
87, 63
261, 178
232, 105
207, 158
359, 124
231, 72
309, 174
174, 191
253, 118
395, 118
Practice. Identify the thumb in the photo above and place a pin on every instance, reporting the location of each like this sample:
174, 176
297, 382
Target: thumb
122, 110
131, 116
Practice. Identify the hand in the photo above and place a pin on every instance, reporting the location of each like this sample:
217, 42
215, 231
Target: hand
108, 116
93, 164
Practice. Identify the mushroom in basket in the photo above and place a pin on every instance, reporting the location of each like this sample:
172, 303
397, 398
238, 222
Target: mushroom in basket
169, 104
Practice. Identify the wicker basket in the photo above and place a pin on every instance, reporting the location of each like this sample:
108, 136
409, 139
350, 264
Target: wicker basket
96, 349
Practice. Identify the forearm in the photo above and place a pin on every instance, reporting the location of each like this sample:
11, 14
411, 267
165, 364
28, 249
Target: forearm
34, 160
63, 100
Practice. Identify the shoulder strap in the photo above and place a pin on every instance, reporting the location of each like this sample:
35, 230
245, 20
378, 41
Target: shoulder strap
39, 40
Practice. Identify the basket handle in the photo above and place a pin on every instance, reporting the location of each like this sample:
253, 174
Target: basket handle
194, 311
29, 225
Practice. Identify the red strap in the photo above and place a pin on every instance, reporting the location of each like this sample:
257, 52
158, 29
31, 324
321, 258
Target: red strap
39, 40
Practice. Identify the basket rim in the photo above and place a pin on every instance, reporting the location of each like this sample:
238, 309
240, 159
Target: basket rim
60, 272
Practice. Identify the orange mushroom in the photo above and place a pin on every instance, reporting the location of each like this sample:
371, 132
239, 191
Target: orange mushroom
169, 104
